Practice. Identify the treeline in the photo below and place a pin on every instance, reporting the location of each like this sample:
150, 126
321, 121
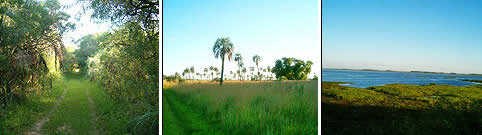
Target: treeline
285, 69
31, 51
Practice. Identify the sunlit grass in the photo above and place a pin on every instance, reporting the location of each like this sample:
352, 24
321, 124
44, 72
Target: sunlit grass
252, 107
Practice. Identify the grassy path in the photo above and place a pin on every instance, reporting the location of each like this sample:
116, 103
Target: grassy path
74, 114
38, 125
179, 118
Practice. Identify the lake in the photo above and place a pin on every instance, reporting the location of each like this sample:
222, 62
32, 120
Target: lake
363, 79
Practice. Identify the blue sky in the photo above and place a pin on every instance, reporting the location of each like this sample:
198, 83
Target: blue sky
429, 35
272, 29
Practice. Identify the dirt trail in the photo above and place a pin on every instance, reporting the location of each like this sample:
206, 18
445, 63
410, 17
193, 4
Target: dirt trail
38, 125
93, 117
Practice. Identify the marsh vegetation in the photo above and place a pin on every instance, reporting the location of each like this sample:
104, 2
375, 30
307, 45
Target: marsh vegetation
401, 109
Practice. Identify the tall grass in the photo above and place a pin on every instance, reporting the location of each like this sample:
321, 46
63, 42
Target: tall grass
22, 112
269, 107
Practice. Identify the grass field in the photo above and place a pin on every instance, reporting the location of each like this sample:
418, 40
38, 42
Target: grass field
237, 107
76, 106
401, 109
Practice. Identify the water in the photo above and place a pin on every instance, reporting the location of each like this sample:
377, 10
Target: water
363, 79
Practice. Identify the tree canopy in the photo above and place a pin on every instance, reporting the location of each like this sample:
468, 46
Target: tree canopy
292, 69
31, 51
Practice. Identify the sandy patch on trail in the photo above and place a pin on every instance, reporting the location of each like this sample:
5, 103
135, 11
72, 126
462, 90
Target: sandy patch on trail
93, 117
64, 129
38, 125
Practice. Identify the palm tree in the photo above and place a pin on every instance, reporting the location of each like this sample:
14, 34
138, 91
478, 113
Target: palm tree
239, 59
205, 71
264, 73
192, 71
176, 76
251, 69
186, 71
256, 59
212, 73
260, 75
269, 71
223, 47
239, 74
243, 71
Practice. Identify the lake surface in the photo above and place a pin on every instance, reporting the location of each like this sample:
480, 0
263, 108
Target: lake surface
363, 79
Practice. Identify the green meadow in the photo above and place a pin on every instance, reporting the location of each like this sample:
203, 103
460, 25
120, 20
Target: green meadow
401, 109
241, 107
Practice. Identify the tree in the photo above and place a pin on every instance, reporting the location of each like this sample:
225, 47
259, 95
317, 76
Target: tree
251, 69
239, 74
239, 59
212, 73
176, 75
264, 72
256, 59
244, 71
223, 47
292, 69
144, 12
205, 72
269, 71
31, 49
88, 47
192, 71
186, 71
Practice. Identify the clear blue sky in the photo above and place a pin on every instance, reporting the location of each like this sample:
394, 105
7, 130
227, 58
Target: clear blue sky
272, 29
429, 35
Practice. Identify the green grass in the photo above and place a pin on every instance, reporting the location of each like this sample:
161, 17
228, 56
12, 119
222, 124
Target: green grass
401, 109
21, 114
73, 111
241, 108
73, 114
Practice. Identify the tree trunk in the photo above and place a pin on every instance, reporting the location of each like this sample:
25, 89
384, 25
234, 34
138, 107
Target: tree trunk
222, 70
258, 72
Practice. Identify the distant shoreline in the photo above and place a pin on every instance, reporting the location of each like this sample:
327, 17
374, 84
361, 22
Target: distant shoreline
428, 72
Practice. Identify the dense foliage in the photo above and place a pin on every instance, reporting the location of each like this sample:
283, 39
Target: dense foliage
292, 69
126, 60
31, 51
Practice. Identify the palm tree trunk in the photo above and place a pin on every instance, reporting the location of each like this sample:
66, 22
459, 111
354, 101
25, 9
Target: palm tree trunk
258, 72
222, 70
